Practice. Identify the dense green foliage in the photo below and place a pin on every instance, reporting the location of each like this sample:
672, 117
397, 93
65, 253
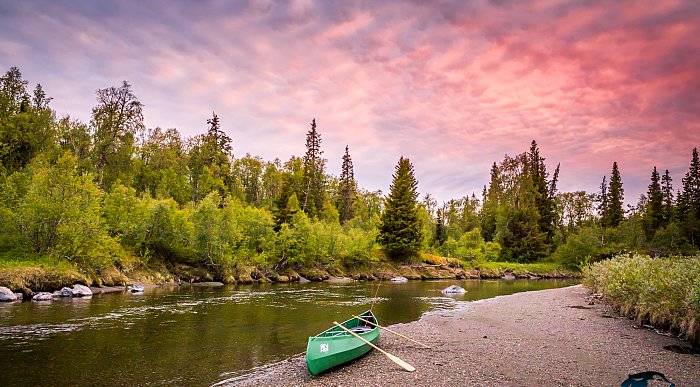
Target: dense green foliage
111, 194
663, 291
400, 232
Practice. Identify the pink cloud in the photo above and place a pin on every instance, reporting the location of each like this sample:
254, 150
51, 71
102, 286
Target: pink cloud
453, 85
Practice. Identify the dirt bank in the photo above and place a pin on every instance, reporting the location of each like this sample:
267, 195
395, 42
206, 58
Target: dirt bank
549, 337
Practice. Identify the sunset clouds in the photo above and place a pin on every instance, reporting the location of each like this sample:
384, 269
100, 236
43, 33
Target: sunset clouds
453, 85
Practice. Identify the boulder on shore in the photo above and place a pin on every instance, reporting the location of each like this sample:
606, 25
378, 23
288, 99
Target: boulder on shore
399, 279
81, 291
453, 289
42, 296
6, 295
66, 292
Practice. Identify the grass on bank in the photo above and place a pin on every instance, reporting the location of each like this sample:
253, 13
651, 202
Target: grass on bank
663, 292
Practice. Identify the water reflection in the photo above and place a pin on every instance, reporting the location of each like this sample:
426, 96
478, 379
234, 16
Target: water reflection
199, 334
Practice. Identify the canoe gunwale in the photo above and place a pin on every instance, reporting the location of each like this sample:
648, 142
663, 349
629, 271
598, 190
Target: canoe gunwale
334, 346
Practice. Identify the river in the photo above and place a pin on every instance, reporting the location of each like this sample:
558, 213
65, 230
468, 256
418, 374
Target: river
201, 335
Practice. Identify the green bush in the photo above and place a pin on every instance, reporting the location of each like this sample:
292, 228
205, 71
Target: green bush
664, 292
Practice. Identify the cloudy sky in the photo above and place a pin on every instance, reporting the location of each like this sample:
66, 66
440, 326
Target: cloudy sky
453, 85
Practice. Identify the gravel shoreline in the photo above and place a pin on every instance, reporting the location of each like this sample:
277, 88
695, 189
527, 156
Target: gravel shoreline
547, 337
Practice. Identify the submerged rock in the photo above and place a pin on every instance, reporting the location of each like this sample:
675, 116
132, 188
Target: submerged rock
6, 295
42, 296
453, 289
135, 288
81, 291
399, 279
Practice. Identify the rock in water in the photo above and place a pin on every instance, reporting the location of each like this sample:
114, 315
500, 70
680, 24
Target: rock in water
66, 292
135, 288
20, 296
81, 291
6, 295
42, 296
399, 279
453, 289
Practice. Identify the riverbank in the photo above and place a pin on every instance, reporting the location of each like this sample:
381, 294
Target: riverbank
549, 337
30, 277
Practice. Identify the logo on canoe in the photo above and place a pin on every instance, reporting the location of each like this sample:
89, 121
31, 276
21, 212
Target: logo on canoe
324, 347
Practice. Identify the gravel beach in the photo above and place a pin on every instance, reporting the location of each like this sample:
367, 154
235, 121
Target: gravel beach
548, 337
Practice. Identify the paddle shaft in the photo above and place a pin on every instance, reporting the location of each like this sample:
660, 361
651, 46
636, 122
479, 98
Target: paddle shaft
393, 358
389, 330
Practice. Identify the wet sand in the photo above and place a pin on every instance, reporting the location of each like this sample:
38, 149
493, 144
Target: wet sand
548, 337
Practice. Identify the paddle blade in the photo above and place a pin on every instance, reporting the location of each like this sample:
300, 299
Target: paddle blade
400, 362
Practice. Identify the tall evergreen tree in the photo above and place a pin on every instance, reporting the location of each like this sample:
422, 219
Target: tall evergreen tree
489, 210
615, 198
400, 232
314, 165
544, 191
667, 192
653, 217
603, 200
348, 189
689, 201
440, 229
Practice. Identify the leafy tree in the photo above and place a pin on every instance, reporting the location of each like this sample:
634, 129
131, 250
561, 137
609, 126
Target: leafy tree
400, 230
248, 177
574, 209
115, 121
26, 123
348, 189
314, 165
74, 137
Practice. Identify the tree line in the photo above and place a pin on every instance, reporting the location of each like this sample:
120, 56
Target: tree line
113, 193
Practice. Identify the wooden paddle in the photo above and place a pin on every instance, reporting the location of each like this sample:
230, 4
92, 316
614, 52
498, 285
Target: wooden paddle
389, 330
391, 357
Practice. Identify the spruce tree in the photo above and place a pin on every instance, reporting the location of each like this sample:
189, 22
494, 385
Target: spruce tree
440, 229
603, 200
313, 173
489, 209
689, 201
667, 192
653, 216
400, 231
615, 198
544, 191
348, 189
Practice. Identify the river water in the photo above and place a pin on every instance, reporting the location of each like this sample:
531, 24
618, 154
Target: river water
201, 335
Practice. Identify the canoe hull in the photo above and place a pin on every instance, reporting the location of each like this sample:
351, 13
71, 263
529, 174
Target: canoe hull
335, 347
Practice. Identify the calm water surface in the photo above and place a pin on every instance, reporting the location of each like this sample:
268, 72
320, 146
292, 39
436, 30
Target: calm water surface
198, 335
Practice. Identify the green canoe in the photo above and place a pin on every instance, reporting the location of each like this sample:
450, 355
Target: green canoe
335, 346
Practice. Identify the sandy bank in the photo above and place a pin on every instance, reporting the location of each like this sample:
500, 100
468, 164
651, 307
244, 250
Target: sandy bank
548, 337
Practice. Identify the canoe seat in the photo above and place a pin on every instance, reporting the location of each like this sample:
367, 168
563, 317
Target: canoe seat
361, 329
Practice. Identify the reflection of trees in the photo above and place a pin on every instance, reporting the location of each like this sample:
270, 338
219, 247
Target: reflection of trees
192, 335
